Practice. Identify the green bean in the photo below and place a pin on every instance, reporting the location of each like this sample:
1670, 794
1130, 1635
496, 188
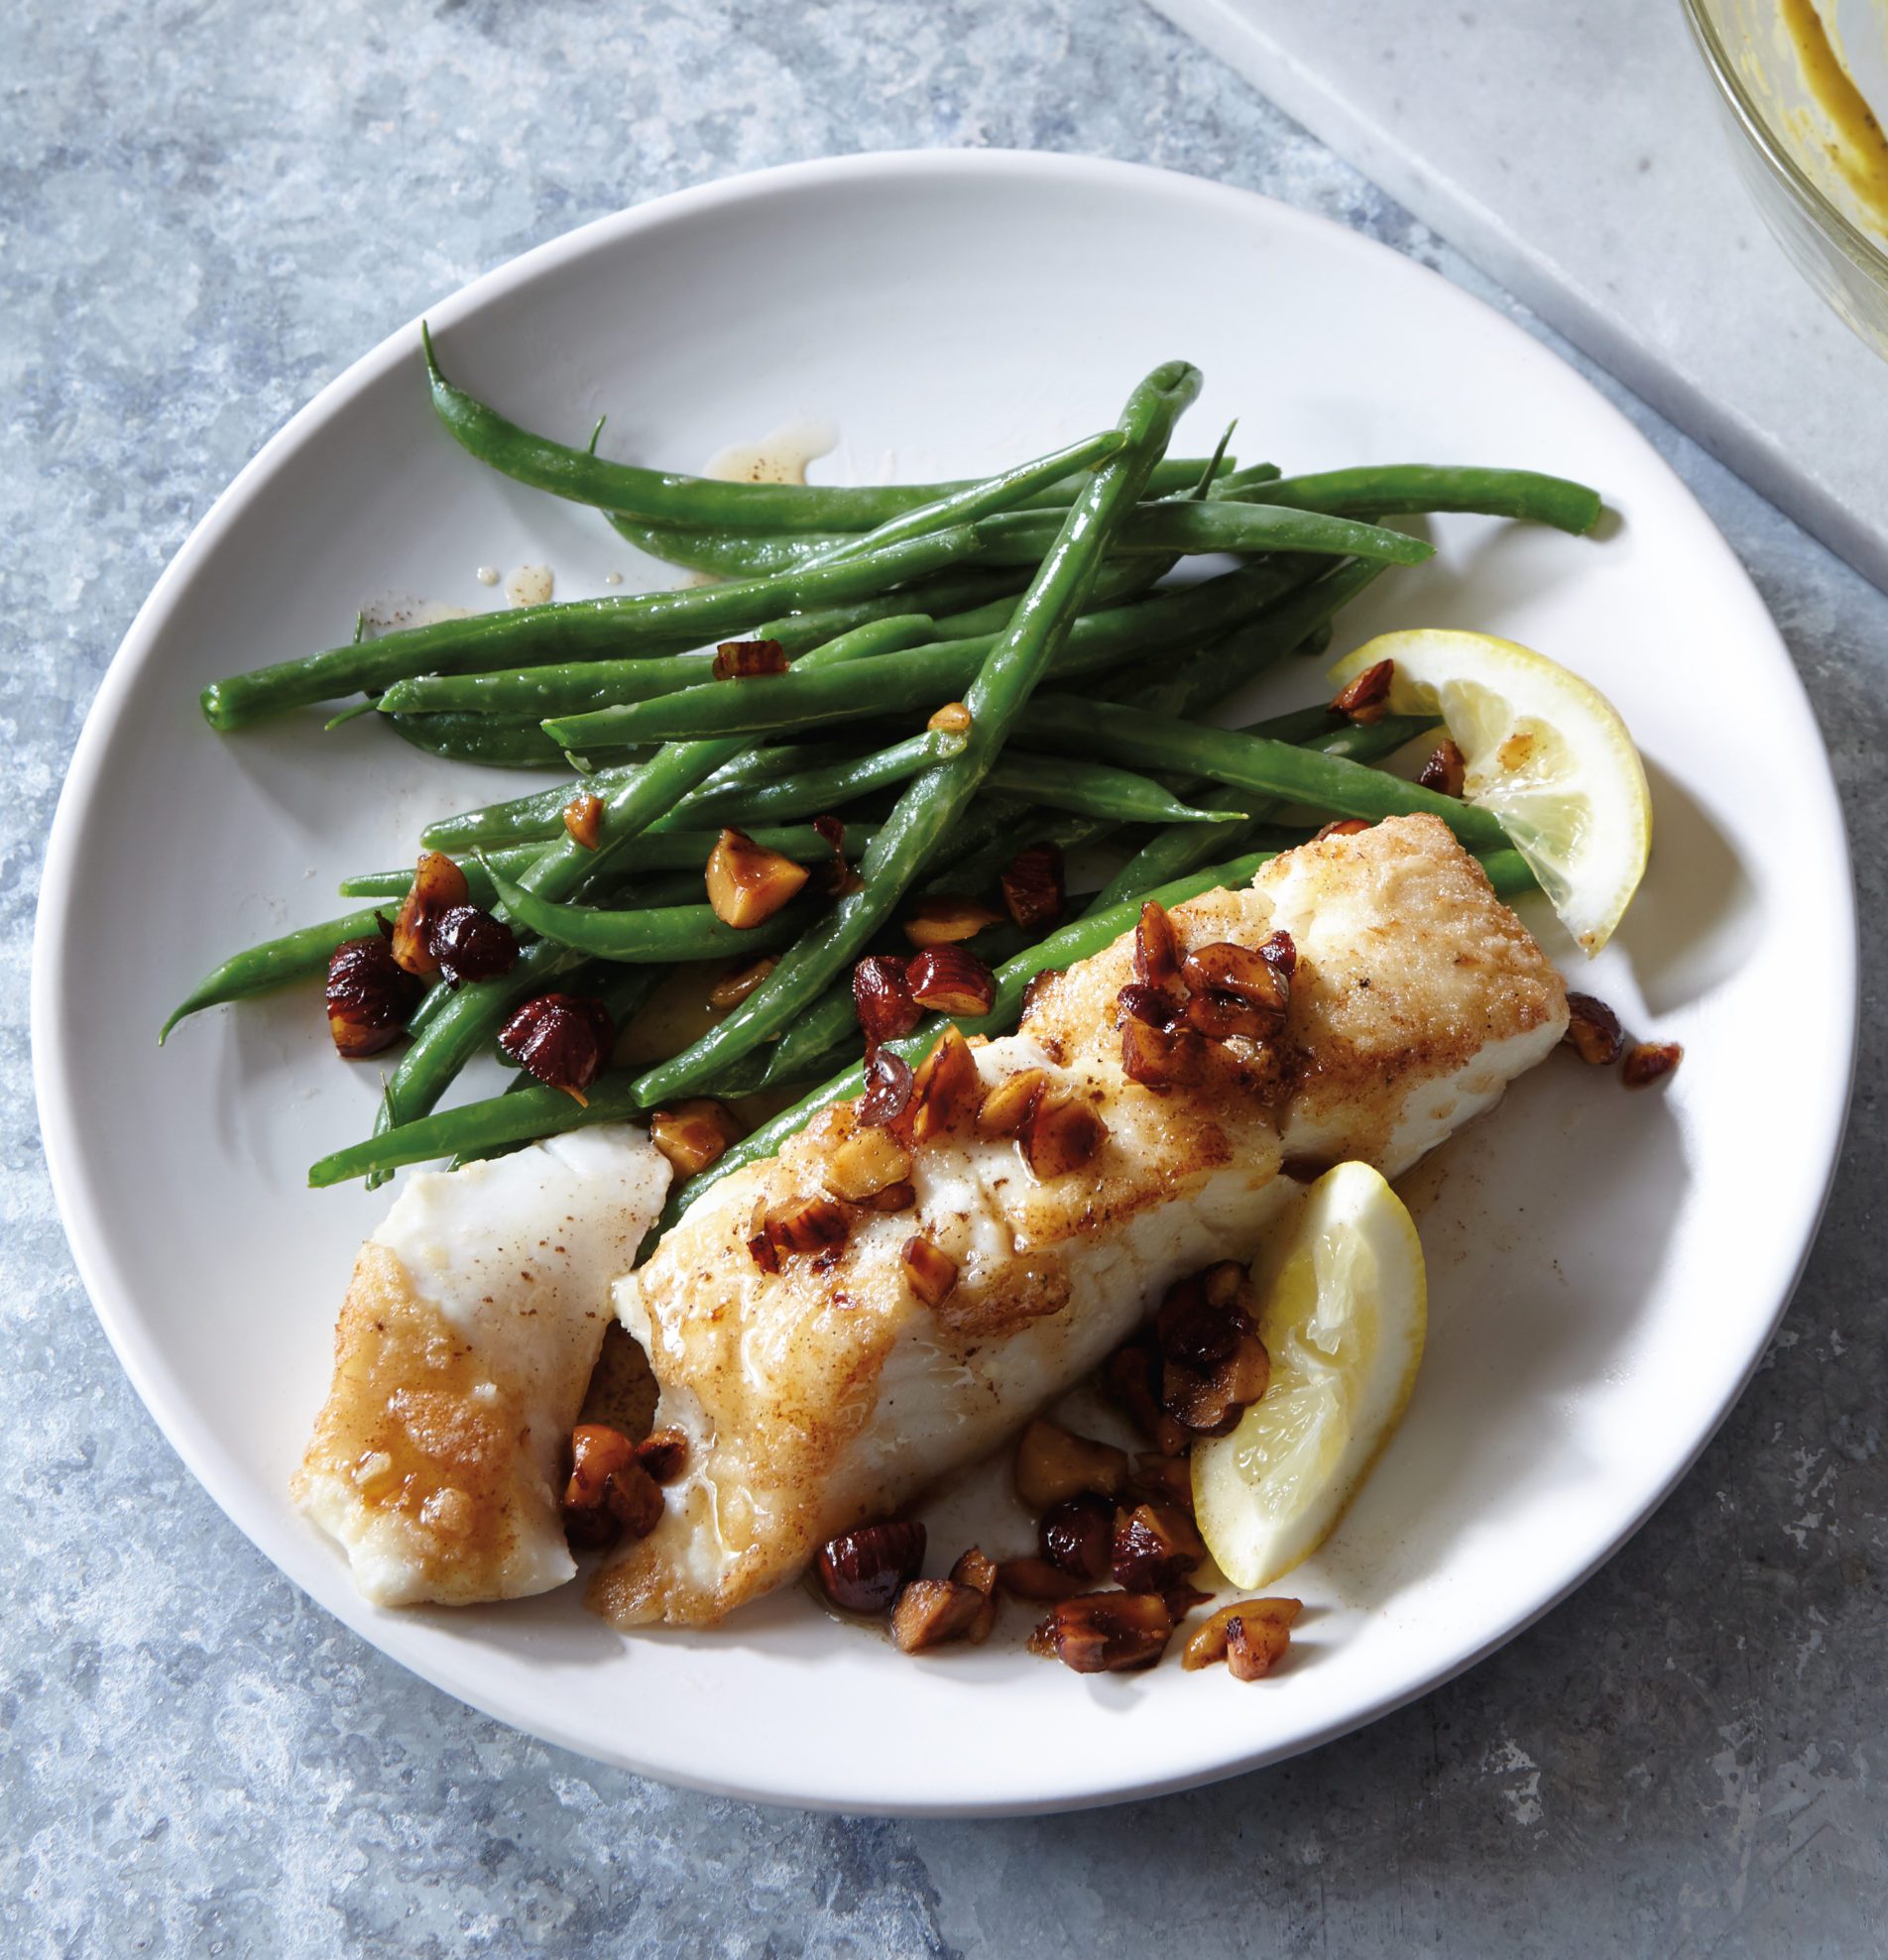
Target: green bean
1189, 528
528, 636
726, 553
811, 792
659, 850
495, 741
661, 496
1092, 789
1411, 489
541, 814
1179, 848
1079, 941
932, 802
999, 492
1253, 762
579, 687
295, 956
925, 677
641, 936
1178, 526
474, 1013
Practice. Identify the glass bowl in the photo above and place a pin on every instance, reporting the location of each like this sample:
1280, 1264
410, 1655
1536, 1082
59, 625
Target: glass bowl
1812, 185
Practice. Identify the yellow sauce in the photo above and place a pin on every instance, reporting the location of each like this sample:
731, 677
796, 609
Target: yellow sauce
1858, 148
780, 456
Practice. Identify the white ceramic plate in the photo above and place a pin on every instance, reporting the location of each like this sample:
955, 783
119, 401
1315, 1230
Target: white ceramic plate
1605, 1267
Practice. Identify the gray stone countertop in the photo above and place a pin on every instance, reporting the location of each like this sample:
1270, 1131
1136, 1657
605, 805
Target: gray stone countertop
211, 206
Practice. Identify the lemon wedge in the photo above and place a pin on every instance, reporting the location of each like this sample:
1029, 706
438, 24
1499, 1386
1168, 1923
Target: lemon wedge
1345, 1311
1545, 752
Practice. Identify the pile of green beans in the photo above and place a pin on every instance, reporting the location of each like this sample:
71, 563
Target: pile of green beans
1038, 598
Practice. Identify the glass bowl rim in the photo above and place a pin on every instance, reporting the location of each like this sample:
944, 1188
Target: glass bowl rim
1868, 258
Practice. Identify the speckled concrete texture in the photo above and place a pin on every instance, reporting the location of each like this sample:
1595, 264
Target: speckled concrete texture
209, 207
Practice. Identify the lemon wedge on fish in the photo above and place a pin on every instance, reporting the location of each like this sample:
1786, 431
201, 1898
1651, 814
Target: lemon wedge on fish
1343, 1317
1545, 752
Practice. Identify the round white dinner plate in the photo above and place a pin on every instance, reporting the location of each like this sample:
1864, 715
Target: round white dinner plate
1605, 1267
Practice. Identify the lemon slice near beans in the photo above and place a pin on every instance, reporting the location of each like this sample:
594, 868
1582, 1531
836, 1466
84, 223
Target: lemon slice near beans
1544, 751
1343, 1319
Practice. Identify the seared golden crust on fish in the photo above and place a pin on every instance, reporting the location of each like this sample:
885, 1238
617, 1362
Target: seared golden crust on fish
830, 1392
415, 1455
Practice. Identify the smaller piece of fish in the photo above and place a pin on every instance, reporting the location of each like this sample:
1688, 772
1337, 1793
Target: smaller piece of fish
466, 1340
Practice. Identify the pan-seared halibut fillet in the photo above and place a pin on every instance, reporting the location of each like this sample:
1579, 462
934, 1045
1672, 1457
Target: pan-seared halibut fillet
464, 1345
829, 1392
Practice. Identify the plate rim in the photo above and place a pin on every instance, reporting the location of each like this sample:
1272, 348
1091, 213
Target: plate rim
79, 1205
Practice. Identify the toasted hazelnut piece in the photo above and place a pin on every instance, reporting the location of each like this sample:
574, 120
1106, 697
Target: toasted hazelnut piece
1053, 1464
1077, 1535
597, 1452
747, 883
763, 1252
1159, 1059
951, 719
930, 1612
1210, 1403
1367, 697
471, 944
945, 979
738, 982
369, 997
944, 918
1061, 1135
1156, 948
610, 1494
744, 659
1154, 1544
1593, 1031
866, 1163
887, 1095
1341, 827
1152, 1005
978, 1571
1034, 887
1011, 1105
930, 1271
1246, 992
561, 1039
1648, 1062
1037, 1578
1282, 951
899, 1196
1202, 1317
583, 819
881, 998
1444, 771
945, 1091
438, 885
808, 1224
693, 1133
1261, 1627
663, 1453
1130, 1377
1103, 1633
864, 1571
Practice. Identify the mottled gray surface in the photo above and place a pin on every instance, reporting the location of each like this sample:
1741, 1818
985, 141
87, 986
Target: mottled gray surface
210, 208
